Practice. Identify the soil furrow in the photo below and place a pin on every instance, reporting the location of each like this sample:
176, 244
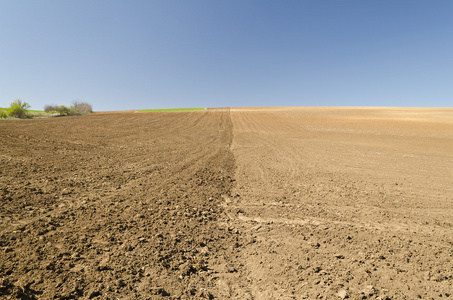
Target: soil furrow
116, 206
340, 205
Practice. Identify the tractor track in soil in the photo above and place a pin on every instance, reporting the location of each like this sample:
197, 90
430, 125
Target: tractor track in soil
116, 206
243, 203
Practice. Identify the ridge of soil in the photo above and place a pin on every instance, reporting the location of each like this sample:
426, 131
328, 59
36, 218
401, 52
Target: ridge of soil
116, 206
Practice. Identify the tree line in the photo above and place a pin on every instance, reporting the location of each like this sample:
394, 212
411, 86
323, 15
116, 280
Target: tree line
20, 109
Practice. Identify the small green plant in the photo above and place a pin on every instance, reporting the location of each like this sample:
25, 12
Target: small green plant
3, 114
18, 109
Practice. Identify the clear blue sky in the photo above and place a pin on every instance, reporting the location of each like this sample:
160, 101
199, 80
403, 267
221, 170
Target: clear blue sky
207, 53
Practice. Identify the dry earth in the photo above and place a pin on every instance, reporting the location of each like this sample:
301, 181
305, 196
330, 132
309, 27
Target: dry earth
345, 202
250, 203
116, 206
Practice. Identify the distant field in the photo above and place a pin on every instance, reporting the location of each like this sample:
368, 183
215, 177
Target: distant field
29, 110
171, 109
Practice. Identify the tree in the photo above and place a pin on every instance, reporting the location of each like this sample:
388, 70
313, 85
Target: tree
18, 109
50, 108
77, 109
83, 108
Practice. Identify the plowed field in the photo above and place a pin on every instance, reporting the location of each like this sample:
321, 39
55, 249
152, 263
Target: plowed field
346, 202
115, 206
271, 203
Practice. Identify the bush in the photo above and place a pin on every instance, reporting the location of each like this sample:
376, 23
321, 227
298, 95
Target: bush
50, 108
83, 107
3, 114
63, 110
77, 109
18, 109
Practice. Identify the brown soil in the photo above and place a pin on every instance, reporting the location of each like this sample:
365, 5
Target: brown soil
268, 203
343, 202
116, 206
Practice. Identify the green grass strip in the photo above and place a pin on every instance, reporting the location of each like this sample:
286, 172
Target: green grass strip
29, 110
171, 109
